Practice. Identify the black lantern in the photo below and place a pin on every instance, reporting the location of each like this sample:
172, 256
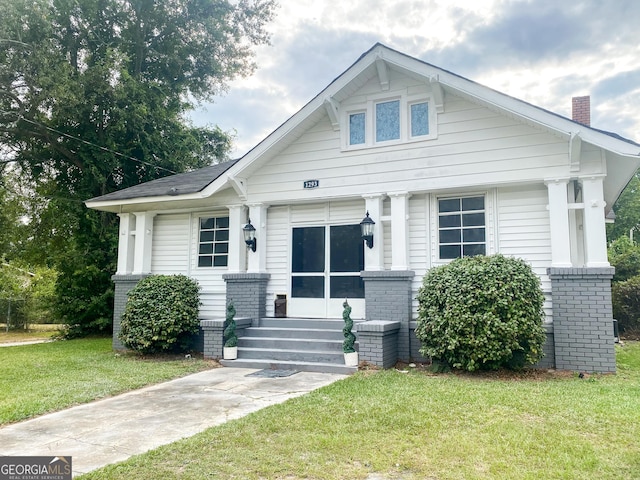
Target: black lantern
249, 232
366, 229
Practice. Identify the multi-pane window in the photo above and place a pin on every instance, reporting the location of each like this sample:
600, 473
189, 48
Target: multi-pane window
461, 227
388, 121
419, 119
213, 244
357, 128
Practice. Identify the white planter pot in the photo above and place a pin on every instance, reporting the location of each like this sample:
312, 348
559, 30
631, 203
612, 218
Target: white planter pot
351, 359
229, 353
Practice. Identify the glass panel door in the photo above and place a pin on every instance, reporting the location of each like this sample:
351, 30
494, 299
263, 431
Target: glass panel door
346, 261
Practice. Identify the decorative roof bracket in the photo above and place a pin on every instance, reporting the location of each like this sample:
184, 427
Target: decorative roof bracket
240, 187
332, 110
575, 151
438, 93
383, 73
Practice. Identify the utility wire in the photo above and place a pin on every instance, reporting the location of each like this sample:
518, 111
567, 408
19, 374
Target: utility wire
86, 142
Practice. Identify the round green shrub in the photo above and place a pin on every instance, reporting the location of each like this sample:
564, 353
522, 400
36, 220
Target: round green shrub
625, 297
481, 313
161, 314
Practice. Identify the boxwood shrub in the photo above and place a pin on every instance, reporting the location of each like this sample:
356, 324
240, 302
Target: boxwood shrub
481, 313
161, 314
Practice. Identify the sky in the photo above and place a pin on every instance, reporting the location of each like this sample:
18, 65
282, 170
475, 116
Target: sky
541, 51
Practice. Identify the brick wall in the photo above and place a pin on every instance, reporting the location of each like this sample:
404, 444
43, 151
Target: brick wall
123, 284
378, 342
248, 291
388, 298
583, 319
581, 110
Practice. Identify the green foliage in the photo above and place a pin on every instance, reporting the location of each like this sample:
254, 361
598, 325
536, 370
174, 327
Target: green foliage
625, 296
627, 208
349, 337
161, 314
93, 99
231, 339
482, 312
30, 291
624, 255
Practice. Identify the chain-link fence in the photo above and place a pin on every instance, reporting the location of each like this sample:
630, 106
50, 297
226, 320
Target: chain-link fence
19, 313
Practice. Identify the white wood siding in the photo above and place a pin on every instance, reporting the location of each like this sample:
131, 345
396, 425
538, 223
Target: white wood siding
524, 232
213, 289
419, 246
278, 248
475, 147
170, 252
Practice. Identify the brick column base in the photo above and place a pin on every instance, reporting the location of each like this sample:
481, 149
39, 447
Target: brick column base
388, 297
248, 291
213, 335
583, 319
123, 285
378, 342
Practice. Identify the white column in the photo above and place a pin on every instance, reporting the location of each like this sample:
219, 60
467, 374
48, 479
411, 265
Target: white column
399, 230
125, 244
237, 248
374, 257
257, 261
595, 236
559, 223
143, 243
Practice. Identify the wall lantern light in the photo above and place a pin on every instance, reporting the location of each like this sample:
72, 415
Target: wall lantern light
249, 232
366, 229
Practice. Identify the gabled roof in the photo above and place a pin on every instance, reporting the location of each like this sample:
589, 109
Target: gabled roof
370, 65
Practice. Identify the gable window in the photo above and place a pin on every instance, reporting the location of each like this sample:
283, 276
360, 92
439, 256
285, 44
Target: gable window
357, 128
461, 227
419, 119
388, 121
213, 243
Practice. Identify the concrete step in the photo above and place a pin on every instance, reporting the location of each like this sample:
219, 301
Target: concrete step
303, 344
318, 356
300, 333
305, 323
290, 365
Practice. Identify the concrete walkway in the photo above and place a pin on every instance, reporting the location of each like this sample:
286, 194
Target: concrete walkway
112, 430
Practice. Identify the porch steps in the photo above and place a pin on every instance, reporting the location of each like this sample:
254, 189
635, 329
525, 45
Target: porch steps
309, 345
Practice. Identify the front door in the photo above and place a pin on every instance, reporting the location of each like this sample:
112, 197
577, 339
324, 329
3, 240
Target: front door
326, 263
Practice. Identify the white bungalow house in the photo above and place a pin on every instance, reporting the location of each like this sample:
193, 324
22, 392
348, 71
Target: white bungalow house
444, 167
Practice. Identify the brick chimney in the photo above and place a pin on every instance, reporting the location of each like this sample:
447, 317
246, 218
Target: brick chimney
581, 110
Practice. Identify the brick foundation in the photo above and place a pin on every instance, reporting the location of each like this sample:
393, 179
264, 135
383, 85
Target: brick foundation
388, 298
248, 291
583, 319
123, 285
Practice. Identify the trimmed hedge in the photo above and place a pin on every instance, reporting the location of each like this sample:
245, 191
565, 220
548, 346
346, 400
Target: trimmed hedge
161, 314
481, 313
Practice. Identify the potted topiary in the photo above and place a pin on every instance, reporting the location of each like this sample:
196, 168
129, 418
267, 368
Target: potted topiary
350, 354
230, 348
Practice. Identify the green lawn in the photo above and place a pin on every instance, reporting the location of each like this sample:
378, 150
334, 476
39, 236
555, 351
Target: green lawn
36, 379
415, 425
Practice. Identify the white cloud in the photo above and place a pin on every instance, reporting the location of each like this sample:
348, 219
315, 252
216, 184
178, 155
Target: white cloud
543, 52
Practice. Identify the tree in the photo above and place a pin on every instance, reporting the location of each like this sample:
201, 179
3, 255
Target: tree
93, 96
627, 209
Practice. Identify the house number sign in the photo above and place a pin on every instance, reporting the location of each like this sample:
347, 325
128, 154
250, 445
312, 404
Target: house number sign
311, 184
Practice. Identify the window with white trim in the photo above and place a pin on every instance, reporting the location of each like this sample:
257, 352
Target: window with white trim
384, 121
461, 227
213, 242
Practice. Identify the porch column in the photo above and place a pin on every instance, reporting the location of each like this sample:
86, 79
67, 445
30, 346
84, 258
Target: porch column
237, 247
126, 243
143, 243
399, 230
594, 222
559, 223
374, 257
257, 261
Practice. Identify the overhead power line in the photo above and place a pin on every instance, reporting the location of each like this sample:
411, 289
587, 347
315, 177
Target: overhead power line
86, 142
